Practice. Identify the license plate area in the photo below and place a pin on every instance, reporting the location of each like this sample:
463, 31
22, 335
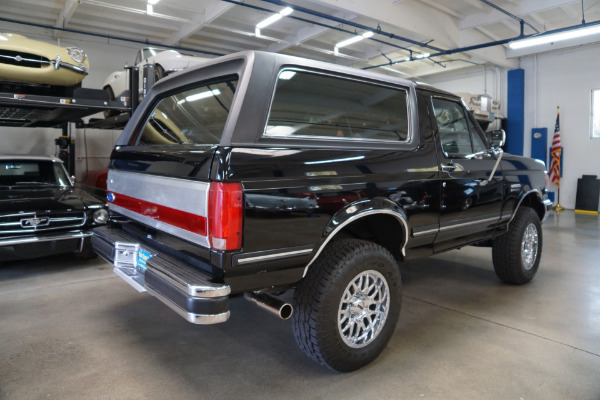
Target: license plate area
130, 263
126, 255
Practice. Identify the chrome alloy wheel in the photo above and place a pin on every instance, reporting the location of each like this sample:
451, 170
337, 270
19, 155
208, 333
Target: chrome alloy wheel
529, 247
363, 309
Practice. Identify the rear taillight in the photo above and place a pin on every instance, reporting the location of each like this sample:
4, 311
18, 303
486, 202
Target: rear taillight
225, 216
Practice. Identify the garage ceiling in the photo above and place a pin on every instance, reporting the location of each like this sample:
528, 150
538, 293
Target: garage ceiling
402, 28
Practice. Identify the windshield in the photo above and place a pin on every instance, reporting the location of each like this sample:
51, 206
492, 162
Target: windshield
194, 116
32, 172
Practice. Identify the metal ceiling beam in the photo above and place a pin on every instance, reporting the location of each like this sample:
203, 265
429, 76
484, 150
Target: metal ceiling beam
361, 8
211, 12
524, 8
308, 33
65, 16
133, 10
109, 37
505, 12
336, 28
569, 12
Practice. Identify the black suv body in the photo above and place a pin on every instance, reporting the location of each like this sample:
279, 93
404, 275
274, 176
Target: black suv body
259, 173
41, 212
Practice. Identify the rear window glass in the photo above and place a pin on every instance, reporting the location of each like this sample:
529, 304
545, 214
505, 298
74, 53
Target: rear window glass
313, 105
194, 116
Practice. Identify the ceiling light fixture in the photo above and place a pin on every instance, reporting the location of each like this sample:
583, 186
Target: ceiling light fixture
554, 37
153, 2
149, 9
353, 39
273, 18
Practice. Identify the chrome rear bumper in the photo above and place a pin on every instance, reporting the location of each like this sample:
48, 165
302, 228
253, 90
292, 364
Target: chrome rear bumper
185, 289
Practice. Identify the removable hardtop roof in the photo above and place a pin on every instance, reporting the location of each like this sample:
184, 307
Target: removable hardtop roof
257, 75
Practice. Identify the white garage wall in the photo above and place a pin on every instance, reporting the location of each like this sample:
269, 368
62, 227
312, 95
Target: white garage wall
564, 78
475, 80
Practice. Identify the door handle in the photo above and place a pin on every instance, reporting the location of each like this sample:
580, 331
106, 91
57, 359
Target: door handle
451, 167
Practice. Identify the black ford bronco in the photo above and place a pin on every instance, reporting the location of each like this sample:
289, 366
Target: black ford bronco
258, 173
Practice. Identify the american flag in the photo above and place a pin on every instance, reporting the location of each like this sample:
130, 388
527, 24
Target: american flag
555, 152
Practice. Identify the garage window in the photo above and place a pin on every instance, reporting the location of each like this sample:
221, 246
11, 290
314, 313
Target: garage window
312, 105
595, 131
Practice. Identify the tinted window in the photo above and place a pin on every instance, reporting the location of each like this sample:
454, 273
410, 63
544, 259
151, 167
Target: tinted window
28, 172
195, 116
458, 134
313, 105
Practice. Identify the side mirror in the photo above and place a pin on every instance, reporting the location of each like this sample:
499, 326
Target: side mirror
497, 138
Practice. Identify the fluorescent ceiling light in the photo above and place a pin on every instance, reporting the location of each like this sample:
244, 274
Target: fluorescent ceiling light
353, 39
424, 55
153, 2
273, 18
203, 95
555, 37
149, 9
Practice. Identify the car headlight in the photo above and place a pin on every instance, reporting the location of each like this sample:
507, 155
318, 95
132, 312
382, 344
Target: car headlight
100, 216
76, 54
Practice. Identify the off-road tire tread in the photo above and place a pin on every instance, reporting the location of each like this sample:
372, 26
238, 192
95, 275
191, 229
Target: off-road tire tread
506, 249
310, 301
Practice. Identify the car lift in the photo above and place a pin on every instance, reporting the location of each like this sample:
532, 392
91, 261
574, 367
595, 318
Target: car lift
40, 111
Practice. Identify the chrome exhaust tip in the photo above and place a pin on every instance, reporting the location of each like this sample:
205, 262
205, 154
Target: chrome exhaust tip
275, 306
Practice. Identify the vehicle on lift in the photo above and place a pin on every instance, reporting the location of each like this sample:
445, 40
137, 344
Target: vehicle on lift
353, 173
41, 212
164, 61
35, 67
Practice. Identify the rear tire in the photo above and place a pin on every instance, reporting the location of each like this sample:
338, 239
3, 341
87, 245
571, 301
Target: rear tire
347, 306
516, 254
159, 73
111, 97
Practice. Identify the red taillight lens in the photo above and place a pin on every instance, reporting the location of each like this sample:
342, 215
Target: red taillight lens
225, 216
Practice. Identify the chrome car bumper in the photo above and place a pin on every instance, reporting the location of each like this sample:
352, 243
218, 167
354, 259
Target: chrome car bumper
184, 288
61, 64
548, 207
14, 241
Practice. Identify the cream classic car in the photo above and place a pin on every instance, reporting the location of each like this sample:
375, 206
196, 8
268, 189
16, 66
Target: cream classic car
29, 61
165, 62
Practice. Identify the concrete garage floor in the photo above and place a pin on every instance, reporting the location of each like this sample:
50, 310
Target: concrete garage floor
71, 330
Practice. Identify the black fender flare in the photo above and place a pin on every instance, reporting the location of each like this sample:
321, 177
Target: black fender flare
545, 204
355, 211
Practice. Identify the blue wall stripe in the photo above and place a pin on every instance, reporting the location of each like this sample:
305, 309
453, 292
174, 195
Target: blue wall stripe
515, 124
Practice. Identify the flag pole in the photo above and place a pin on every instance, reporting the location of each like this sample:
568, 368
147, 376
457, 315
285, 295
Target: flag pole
558, 207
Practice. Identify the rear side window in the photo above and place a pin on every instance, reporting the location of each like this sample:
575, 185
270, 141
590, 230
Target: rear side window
313, 105
194, 116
